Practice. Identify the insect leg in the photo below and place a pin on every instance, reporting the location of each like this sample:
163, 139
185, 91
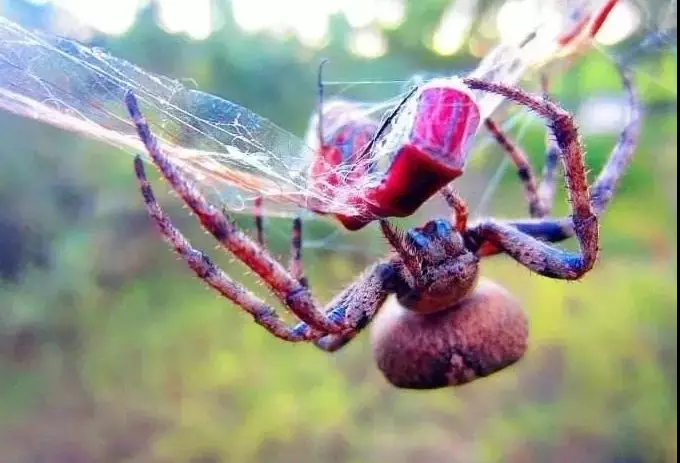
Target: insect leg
295, 266
259, 222
459, 207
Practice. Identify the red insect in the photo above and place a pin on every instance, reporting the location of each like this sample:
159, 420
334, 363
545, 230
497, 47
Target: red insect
433, 151
441, 123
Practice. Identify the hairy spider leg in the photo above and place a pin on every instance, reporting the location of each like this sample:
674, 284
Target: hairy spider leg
295, 296
525, 171
409, 259
263, 314
583, 223
533, 254
350, 311
547, 187
602, 189
358, 304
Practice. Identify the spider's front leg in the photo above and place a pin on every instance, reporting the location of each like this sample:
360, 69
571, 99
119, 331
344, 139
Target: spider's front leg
530, 252
539, 196
603, 189
206, 270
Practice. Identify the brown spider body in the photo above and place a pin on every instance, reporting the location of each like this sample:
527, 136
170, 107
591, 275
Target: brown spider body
482, 333
438, 269
443, 326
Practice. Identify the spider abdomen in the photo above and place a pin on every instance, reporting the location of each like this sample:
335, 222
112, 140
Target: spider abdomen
482, 334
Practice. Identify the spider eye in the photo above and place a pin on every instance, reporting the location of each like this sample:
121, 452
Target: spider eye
417, 239
438, 227
443, 227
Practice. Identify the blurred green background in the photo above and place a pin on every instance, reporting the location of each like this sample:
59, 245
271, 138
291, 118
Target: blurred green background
111, 351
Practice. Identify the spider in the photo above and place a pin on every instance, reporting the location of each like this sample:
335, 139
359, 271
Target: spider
448, 325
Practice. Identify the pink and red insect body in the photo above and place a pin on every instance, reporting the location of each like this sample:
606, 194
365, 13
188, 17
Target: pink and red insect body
430, 150
339, 138
432, 154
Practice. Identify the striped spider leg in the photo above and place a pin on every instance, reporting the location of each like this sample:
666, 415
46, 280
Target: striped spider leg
540, 196
344, 314
603, 188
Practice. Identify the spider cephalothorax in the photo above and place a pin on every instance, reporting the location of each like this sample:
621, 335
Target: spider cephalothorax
442, 325
438, 269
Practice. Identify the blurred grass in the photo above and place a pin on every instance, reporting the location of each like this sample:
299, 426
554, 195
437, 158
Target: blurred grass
111, 351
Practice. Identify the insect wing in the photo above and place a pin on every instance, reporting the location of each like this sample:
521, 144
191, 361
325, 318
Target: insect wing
232, 153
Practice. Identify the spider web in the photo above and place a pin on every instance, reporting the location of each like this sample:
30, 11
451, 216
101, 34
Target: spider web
654, 37
657, 34
233, 154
